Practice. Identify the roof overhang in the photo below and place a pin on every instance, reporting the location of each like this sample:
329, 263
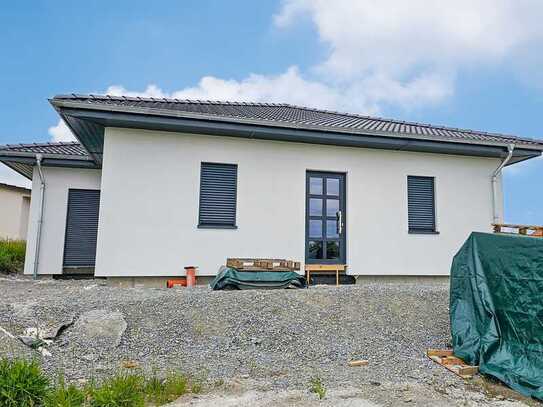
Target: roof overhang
23, 162
88, 121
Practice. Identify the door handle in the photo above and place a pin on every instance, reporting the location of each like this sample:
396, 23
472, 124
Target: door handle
339, 219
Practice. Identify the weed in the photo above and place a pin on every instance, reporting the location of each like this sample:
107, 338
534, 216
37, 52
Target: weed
316, 386
196, 387
64, 396
22, 383
123, 390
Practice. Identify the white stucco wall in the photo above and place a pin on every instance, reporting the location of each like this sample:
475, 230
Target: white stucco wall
14, 207
150, 191
58, 182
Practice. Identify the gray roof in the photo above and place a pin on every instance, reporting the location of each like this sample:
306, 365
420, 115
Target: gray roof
73, 149
293, 116
22, 157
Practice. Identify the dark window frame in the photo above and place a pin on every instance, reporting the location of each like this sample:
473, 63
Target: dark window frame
422, 230
202, 223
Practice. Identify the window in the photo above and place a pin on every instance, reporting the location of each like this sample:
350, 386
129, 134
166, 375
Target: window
421, 204
218, 190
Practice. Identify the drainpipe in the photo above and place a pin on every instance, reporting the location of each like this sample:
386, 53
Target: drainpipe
495, 174
39, 158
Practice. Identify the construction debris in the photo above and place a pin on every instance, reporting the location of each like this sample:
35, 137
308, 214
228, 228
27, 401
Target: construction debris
231, 279
495, 308
445, 358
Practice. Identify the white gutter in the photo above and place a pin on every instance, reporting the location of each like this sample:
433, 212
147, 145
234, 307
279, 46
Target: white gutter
495, 174
39, 158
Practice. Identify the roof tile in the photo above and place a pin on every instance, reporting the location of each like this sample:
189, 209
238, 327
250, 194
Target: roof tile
291, 114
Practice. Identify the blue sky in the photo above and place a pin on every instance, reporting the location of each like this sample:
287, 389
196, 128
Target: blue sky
462, 66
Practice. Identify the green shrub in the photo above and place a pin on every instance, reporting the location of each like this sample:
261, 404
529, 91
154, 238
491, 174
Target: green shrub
123, 390
12, 255
22, 383
64, 396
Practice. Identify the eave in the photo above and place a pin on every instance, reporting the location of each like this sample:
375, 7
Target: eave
88, 122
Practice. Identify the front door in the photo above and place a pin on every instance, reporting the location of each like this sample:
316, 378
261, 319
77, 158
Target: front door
325, 218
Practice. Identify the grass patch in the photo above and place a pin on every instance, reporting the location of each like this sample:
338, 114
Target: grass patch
22, 383
162, 391
317, 386
123, 390
63, 395
12, 255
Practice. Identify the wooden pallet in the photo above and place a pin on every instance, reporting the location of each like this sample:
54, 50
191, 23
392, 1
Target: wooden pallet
527, 230
445, 358
263, 264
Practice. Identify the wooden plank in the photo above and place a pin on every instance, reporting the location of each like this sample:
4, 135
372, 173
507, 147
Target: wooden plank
468, 370
439, 352
354, 363
325, 267
451, 360
456, 365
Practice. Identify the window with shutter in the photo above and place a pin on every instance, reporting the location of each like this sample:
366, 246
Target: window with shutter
218, 190
81, 228
421, 204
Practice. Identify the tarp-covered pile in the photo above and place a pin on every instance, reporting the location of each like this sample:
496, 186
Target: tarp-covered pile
496, 308
230, 278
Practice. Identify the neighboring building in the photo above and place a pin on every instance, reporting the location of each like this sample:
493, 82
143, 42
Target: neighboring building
156, 184
14, 210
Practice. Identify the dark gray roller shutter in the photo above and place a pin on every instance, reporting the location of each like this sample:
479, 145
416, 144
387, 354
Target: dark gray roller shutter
421, 204
218, 189
81, 228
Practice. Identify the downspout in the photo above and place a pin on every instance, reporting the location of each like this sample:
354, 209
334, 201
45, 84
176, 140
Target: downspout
495, 174
39, 158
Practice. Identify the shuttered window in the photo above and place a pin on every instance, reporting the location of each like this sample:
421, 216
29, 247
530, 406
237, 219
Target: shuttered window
218, 190
81, 228
421, 204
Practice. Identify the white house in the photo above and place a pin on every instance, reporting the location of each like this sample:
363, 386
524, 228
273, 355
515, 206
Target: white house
154, 185
14, 211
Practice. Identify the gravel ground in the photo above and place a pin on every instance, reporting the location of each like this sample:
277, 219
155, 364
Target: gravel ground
256, 341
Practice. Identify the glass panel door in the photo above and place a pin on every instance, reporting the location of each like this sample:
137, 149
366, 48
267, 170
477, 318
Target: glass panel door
325, 218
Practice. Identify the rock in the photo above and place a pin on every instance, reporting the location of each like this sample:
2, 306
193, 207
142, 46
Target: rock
100, 328
89, 357
31, 341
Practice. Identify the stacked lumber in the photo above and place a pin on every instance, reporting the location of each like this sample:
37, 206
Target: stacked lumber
445, 358
262, 264
526, 230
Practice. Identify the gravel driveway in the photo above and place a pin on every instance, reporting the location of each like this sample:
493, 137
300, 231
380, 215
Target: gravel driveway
252, 341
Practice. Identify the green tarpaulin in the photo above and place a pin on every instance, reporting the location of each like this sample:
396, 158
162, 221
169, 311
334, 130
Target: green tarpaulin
229, 278
496, 308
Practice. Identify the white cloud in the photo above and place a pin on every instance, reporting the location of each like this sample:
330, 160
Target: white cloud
61, 132
398, 38
8, 176
381, 53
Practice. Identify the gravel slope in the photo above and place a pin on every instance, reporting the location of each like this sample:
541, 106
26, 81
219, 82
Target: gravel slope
280, 339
